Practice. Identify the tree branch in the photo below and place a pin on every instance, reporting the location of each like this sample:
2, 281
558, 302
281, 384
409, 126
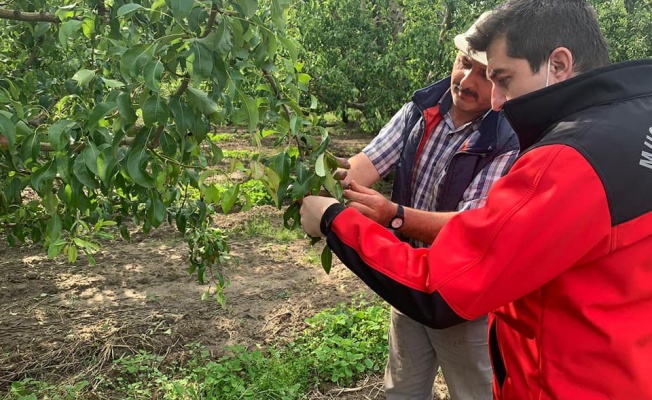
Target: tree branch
272, 82
183, 87
28, 16
287, 110
210, 23
446, 24
46, 147
357, 106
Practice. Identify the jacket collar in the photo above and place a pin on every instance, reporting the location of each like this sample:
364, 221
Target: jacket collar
531, 115
483, 141
430, 95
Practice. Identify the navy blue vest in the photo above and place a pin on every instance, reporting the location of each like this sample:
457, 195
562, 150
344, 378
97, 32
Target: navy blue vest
494, 138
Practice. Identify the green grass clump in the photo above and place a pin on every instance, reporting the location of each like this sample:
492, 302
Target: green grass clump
241, 154
262, 227
346, 342
340, 346
222, 137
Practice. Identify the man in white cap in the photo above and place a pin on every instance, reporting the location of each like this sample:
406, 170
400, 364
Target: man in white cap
446, 148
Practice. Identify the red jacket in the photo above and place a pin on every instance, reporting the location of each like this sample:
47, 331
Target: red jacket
561, 253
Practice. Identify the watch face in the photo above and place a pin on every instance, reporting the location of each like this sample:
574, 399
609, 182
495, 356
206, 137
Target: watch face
397, 223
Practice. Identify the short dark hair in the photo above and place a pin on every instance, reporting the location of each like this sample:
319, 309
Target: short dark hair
534, 28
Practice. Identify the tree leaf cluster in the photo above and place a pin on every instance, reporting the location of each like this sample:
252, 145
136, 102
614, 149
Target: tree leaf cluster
106, 107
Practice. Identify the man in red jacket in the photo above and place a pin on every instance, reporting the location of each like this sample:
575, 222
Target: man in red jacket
561, 252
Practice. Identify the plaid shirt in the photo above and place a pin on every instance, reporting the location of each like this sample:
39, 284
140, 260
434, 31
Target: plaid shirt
385, 149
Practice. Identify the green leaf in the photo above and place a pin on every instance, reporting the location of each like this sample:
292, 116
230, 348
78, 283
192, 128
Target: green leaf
203, 64
106, 164
211, 194
257, 169
199, 128
278, 12
196, 19
251, 109
128, 9
81, 173
333, 187
301, 189
327, 259
41, 29
134, 60
292, 215
8, 130
200, 99
281, 164
206, 174
83, 76
152, 72
59, 134
91, 154
72, 253
64, 168
320, 166
157, 4
290, 46
112, 83
218, 155
53, 229
99, 112
46, 173
125, 108
124, 232
180, 8
49, 199
86, 245
229, 198
182, 114
323, 145
88, 26
248, 7
30, 147
137, 161
155, 111
220, 40
303, 181
68, 30
156, 212
55, 248
168, 144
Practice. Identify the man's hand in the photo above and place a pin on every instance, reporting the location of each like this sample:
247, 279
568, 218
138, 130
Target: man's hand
370, 203
312, 209
341, 173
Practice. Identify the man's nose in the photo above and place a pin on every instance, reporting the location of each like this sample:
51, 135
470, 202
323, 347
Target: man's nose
497, 99
467, 80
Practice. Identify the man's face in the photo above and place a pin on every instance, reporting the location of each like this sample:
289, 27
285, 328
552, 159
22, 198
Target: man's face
470, 88
511, 77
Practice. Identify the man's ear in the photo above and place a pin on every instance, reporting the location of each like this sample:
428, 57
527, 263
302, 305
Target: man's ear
561, 64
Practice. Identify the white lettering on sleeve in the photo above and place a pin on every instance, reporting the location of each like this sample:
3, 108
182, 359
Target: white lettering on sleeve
646, 158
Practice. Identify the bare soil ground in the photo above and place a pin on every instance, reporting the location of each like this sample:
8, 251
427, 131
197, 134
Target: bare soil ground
61, 321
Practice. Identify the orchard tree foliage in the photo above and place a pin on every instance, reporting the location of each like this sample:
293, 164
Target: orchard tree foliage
628, 27
371, 55
106, 108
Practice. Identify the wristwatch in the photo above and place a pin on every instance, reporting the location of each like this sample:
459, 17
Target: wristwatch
397, 220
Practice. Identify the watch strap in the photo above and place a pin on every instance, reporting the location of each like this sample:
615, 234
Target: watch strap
400, 214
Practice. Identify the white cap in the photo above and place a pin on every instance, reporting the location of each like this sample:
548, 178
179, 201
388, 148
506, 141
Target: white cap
462, 44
